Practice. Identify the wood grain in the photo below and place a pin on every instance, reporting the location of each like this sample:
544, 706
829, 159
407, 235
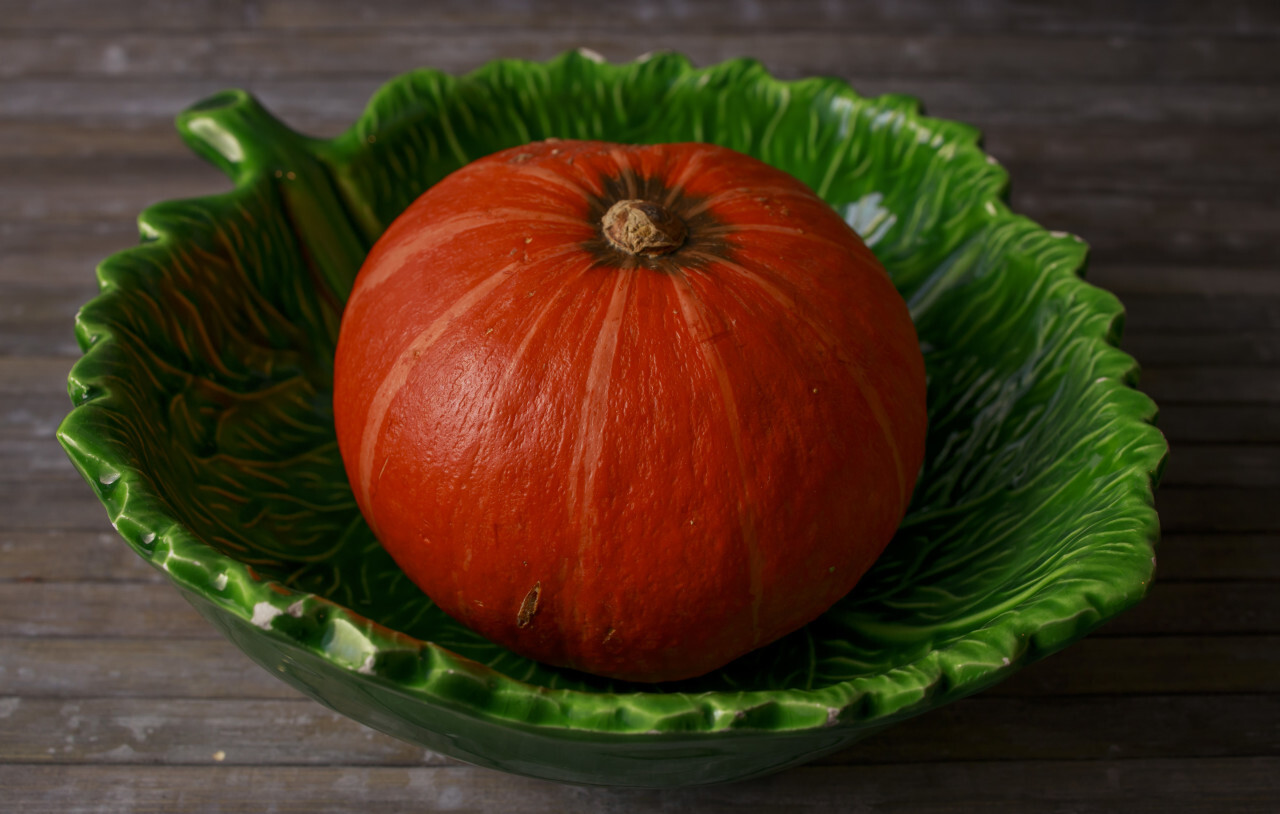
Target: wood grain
335, 101
100, 609
1230, 20
299, 732
1153, 786
1146, 128
1204, 511
71, 668
247, 55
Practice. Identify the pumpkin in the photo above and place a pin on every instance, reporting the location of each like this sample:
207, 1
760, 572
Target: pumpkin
630, 410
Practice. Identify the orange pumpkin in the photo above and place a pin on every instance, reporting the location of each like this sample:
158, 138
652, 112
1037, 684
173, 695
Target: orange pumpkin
633, 410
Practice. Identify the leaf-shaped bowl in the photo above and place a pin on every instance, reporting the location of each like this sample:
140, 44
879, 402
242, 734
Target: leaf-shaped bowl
202, 420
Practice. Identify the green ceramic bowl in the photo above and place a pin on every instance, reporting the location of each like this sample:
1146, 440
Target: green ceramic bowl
202, 420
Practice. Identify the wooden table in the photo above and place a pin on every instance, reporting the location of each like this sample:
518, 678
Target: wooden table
1152, 129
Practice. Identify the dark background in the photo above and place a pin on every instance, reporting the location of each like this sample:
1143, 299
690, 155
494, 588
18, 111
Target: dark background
1151, 129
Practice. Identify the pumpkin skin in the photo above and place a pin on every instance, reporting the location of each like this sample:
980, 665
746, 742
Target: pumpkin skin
640, 466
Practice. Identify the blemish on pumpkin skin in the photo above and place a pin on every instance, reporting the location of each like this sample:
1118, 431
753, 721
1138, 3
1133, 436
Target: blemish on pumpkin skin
529, 606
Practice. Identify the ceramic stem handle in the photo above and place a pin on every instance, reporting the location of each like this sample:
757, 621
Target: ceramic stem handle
235, 132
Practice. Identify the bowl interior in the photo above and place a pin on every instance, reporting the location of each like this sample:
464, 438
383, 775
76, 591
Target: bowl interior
204, 418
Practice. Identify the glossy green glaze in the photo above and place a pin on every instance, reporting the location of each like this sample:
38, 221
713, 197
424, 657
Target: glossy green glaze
203, 422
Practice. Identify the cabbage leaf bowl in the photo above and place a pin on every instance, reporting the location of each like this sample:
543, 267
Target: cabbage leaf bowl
202, 419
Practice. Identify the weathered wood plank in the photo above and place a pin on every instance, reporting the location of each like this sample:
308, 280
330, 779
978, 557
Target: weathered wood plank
1088, 728
265, 54
43, 258
39, 137
27, 240
149, 15
1174, 314
21, 375
1247, 785
1235, 19
983, 104
41, 317
1218, 556
27, 425
1258, 348
1192, 510
59, 556
52, 190
299, 732
1139, 145
125, 104
1136, 665
1212, 385
1165, 280
53, 503
1221, 423
253, 732
106, 609
1222, 465
35, 453
1223, 176
1201, 608
1120, 229
96, 667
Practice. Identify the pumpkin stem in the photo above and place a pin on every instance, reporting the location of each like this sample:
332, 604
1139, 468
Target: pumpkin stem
643, 228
